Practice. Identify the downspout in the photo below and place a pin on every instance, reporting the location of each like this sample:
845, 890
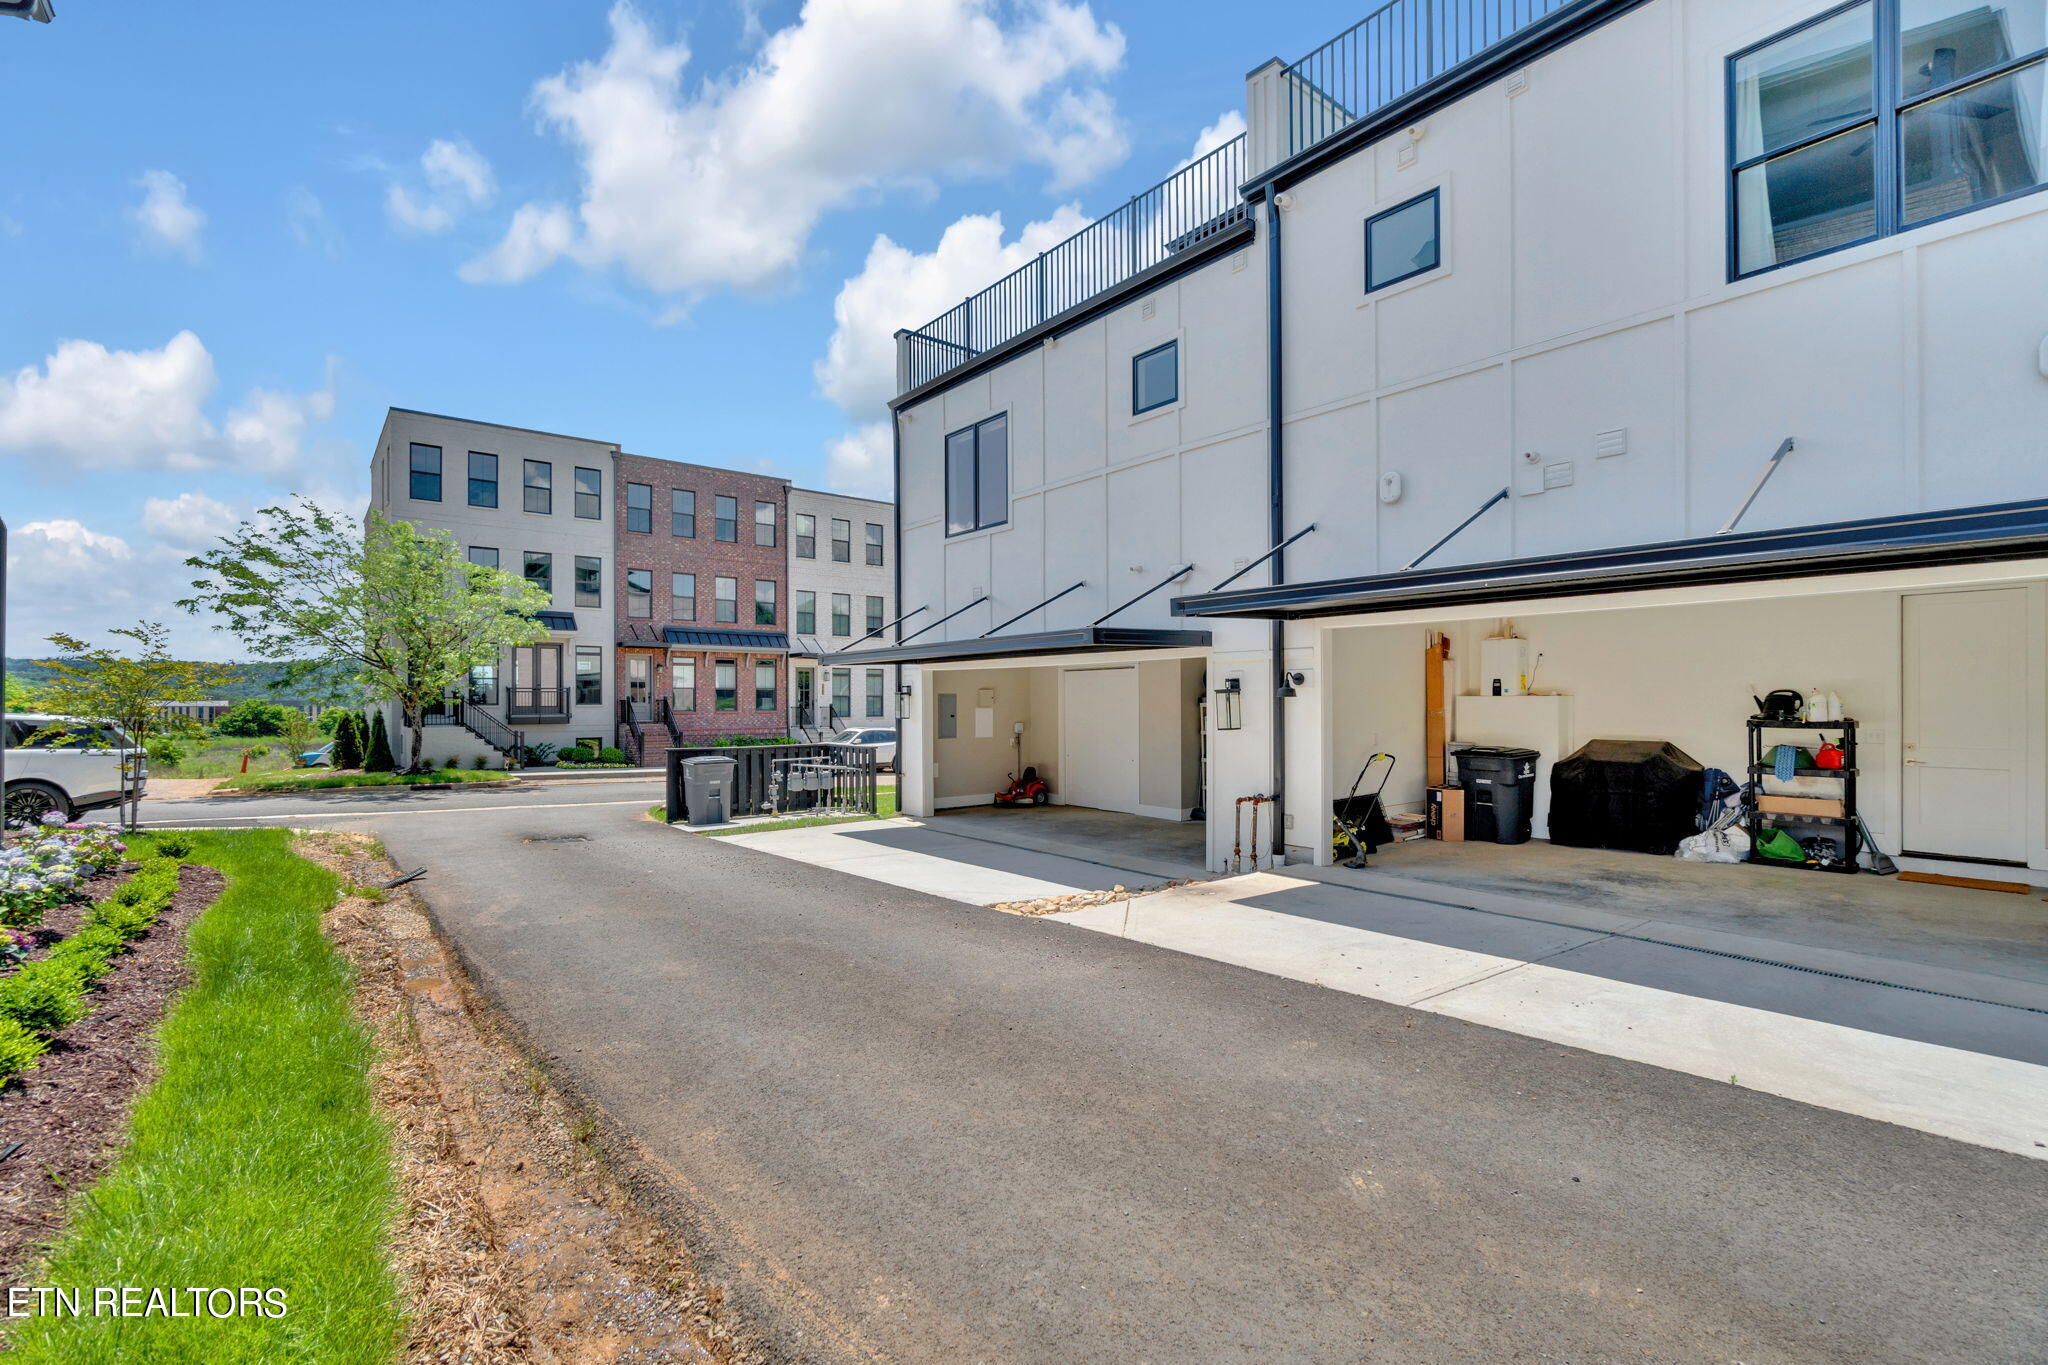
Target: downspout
896, 579
1276, 478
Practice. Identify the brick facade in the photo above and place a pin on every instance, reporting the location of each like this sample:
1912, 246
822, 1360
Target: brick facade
660, 554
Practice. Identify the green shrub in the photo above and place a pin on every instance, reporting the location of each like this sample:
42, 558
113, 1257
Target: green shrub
378, 759
329, 721
348, 741
45, 996
250, 718
164, 752
577, 753
19, 1048
611, 755
172, 845
259, 751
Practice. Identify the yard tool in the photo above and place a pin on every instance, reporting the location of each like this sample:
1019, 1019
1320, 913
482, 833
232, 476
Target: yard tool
1880, 861
1354, 817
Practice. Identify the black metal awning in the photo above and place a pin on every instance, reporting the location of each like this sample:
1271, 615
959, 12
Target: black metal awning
1080, 640
2013, 530
556, 620
756, 641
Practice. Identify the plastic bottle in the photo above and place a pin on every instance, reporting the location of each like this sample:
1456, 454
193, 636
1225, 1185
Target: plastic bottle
1817, 705
1834, 706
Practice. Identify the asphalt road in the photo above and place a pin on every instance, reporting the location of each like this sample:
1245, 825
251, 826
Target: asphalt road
903, 1128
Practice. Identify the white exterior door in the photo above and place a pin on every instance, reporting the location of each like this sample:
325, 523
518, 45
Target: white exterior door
1966, 736
1099, 738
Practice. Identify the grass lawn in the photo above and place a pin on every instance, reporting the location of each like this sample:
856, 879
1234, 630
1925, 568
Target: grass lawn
885, 808
314, 779
255, 1159
213, 756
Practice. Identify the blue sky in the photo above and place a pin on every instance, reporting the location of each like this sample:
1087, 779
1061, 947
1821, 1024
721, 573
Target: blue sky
232, 234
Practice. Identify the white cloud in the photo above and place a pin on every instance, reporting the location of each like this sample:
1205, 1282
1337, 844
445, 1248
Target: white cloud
722, 186
104, 409
1228, 127
64, 576
190, 521
862, 462
898, 287
458, 180
166, 218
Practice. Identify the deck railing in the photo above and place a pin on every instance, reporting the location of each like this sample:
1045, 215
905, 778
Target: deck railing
1399, 47
1188, 206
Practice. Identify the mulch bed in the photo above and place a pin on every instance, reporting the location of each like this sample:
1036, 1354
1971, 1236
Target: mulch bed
68, 1113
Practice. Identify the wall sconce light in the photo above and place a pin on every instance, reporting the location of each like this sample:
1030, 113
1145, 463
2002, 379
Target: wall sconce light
903, 701
1230, 704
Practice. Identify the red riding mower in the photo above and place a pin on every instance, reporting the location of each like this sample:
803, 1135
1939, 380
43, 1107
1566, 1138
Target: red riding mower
1024, 791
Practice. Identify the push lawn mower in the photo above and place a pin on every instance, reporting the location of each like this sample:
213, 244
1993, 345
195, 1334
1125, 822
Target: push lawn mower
1024, 791
1361, 820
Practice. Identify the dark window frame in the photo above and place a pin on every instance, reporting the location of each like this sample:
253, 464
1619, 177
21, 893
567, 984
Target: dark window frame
640, 599
724, 698
1435, 195
595, 495
682, 525
842, 614
546, 560
682, 599
877, 612
806, 542
682, 697
593, 695
415, 474
1141, 357
806, 622
874, 539
875, 691
495, 561
725, 530
768, 699
546, 488
769, 602
945, 475
842, 546
769, 525
640, 519
725, 610
477, 481
595, 596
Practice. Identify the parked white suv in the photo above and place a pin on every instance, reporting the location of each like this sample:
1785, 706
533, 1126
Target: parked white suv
75, 767
883, 742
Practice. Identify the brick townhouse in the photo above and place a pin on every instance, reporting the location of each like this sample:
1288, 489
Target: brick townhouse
700, 603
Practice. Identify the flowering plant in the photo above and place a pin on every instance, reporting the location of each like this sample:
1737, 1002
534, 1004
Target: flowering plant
14, 946
47, 866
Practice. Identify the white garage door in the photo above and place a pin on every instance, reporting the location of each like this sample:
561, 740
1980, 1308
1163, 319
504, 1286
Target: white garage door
1099, 739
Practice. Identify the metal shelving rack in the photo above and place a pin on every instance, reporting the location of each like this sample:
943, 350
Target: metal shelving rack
1753, 818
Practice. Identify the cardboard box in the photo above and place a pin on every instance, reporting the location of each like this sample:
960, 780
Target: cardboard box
1800, 805
1447, 814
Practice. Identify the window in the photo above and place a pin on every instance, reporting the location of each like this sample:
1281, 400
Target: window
764, 523
486, 555
483, 479
764, 686
842, 541
978, 476
1403, 242
806, 612
589, 581
640, 593
540, 569
725, 685
842, 613
1876, 118
682, 677
842, 692
764, 602
539, 478
877, 705
640, 508
589, 675
682, 597
483, 685
590, 494
682, 514
1155, 378
727, 591
727, 512
874, 614
806, 536
874, 534
426, 473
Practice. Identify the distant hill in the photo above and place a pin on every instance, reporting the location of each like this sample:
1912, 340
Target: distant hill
249, 680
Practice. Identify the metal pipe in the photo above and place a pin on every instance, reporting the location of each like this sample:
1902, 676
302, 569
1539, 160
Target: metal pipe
1181, 572
1028, 610
942, 620
1264, 557
1484, 507
1276, 475
1770, 467
879, 629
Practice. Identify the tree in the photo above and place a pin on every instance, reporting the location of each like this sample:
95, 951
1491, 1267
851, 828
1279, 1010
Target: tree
99, 682
379, 759
402, 606
23, 696
348, 741
252, 719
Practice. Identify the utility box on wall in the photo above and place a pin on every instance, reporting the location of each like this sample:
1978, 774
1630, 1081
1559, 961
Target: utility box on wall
1503, 666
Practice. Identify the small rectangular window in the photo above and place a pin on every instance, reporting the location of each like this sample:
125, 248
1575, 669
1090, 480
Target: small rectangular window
589, 675
486, 555
806, 612
877, 703
727, 593
842, 693
842, 613
590, 494
842, 541
764, 523
483, 479
727, 513
1403, 242
806, 536
426, 473
978, 476
589, 581
764, 602
1155, 378
539, 479
874, 534
640, 508
682, 514
725, 685
640, 593
874, 614
540, 569
682, 677
764, 686
682, 597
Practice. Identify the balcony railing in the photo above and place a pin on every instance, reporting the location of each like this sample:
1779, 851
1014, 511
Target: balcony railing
536, 703
1399, 47
1190, 205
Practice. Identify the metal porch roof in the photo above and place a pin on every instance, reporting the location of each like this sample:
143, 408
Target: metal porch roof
1079, 640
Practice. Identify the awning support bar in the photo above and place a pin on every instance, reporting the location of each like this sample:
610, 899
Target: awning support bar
1484, 507
1181, 572
879, 629
1264, 557
1770, 468
942, 620
1028, 610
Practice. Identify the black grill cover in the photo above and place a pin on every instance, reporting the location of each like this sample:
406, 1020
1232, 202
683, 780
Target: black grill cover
1642, 795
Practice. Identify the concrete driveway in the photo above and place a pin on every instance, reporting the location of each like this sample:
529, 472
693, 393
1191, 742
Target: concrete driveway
902, 1127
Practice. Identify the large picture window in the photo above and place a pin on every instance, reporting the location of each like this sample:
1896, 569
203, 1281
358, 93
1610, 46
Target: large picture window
1880, 116
978, 476
1405, 241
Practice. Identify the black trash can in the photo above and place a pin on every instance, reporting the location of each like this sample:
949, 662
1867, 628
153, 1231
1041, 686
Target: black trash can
1500, 793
